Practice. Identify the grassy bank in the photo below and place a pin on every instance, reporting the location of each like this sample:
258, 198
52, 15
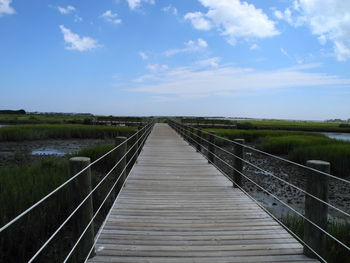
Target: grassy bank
20, 187
61, 131
258, 135
294, 125
298, 146
45, 118
334, 253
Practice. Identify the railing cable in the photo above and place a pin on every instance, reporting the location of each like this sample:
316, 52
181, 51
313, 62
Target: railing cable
274, 156
100, 207
82, 202
261, 206
65, 183
274, 176
282, 202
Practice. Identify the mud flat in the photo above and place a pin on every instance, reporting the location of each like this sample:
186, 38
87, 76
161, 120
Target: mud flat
11, 152
339, 192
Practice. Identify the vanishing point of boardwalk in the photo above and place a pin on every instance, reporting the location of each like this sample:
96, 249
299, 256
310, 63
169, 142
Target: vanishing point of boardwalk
175, 207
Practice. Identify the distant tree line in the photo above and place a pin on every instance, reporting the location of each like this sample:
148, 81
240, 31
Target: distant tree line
13, 112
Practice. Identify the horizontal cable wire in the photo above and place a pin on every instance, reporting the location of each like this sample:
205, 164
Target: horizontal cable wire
274, 156
100, 207
82, 202
64, 184
268, 212
276, 177
257, 202
282, 202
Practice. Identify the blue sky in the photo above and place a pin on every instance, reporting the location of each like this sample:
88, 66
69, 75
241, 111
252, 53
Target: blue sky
286, 59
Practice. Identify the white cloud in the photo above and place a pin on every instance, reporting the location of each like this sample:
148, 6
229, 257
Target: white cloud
210, 62
198, 21
66, 10
284, 52
75, 42
191, 82
157, 67
170, 9
190, 46
254, 47
143, 55
329, 20
134, 4
5, 7
233, 19
111, 17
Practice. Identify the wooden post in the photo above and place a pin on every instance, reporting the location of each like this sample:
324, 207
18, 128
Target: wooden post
315, 211
211, 148
192, 136
134, 150
199, 139
140, 141
120, 152
81, 187
238, 163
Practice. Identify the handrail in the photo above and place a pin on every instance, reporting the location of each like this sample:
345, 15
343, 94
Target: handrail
83, 201
66, 182
195, 142
273, 156
272, 175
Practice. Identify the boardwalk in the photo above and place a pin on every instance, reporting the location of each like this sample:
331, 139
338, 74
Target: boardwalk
176, 207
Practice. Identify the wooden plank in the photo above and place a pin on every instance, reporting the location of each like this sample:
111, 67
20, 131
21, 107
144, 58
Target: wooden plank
175, 207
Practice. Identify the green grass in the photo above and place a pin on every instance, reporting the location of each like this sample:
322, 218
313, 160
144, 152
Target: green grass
61, 131
338, 154
255, 135
298, 146
334, 252
44, 118
20, 187
294, 125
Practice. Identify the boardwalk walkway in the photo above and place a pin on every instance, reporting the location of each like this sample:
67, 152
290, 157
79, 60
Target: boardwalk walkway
175, 207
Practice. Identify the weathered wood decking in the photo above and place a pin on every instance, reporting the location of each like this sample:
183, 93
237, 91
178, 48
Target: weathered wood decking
175, 207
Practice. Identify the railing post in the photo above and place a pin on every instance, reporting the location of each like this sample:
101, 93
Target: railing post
134, 150
199, 139
192, 141
81, 187
238, 162
315, 211
139, 147
121, 151
186, 134
211, 148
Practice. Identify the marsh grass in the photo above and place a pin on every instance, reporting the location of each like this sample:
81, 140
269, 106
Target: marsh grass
297, 146
44, 118
334, 252
294, 125
20, 187
256, 135
61, 131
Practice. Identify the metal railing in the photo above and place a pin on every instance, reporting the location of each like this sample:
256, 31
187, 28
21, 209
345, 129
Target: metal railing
136, 141
316, 208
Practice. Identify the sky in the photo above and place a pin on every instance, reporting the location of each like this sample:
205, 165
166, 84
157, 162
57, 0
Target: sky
283, 59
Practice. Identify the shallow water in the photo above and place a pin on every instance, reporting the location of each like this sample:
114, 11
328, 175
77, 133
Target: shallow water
338, 136
46, 147
47, 151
